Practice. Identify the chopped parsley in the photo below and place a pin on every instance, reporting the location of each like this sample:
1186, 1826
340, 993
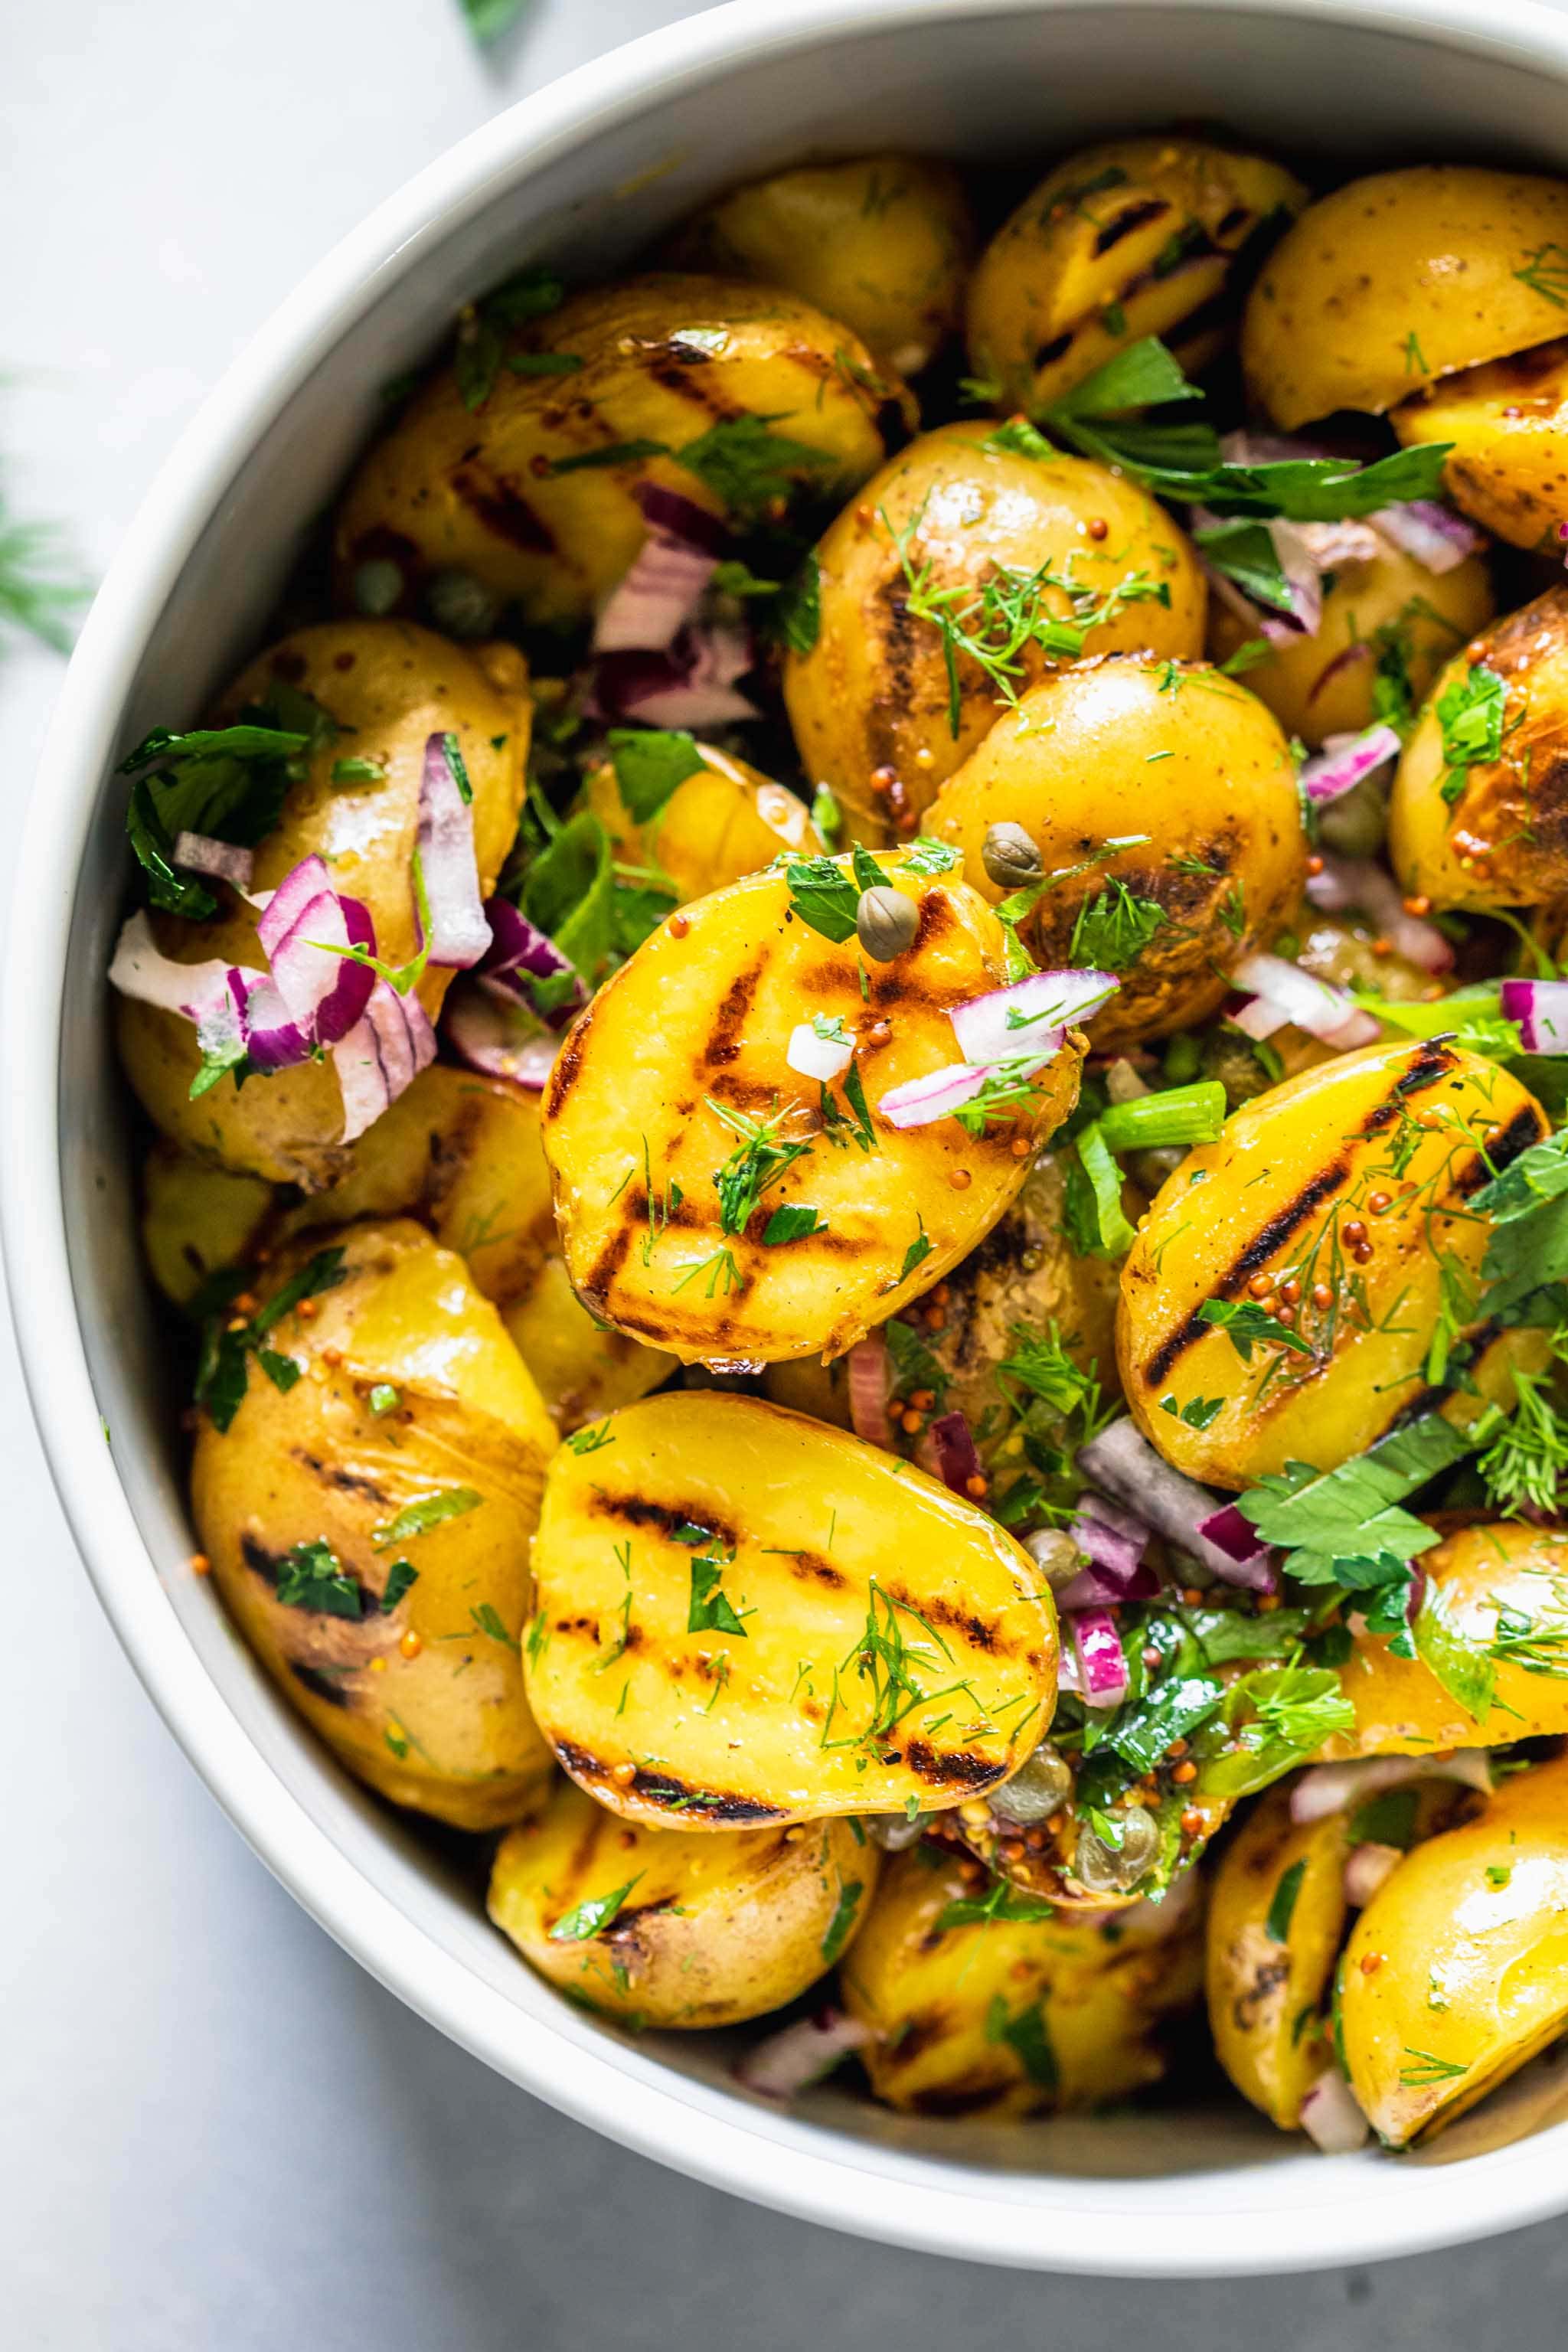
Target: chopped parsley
399, 1577
758, 1161
529, 294
1247, 1325
709, 1610
310, 1576
824, 893
1002, 1902
1277, 1715
1113, 927
1470, 714
841, 1925
431, 1511
225, 782
1282, 1908
222, 1370
1028, 2037
592, 1916
1198, 1412
650, 765
589, 1441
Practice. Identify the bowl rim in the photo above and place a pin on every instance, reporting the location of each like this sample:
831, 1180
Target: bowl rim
802, 2170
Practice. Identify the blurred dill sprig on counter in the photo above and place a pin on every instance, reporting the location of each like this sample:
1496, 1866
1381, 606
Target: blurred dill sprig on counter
39, 592
488, 19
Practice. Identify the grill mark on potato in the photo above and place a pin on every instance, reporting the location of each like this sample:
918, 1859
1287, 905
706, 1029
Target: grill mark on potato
1266, 1978
319, 1686
956, 1768
1523, 1129
896, 697
647, 1511
676, 1796
810, 1567
1151, 208
960, 1621
607, 1266
347, 1482
567, 1066
1047, 353
673, 372
504, 512
723, 1041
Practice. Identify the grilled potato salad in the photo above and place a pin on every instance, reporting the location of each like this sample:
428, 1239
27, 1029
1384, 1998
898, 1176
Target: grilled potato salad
717, 1202
853, 1114
745, 1617
679, 1928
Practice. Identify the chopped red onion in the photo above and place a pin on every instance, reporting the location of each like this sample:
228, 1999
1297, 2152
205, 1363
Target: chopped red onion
785, 2063
520, 951
871, 1382
1368, 1868
1258, 620
1232, 1533
1346, 761
1333, 1787
1008, 1021
273, 1039
460, 934
957, 1459
1126, 1522
1359, 882
383, 1053
651, 605
1177, 1508
669, 511
1437, 538
1284, 993
691, 682
1102, 1588
822, 1058
1303, 574
141, 969
1105, 1547
497, 1035
1330, 2118
1103, 1679
199, 853
1344, 541
920, 1102
1540, 1008
302, 924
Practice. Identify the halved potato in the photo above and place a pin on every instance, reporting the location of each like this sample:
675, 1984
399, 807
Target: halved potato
745, 1617
673, 1090
368, 1524
1351, 1180
1508, 426
709, 1929
1277, 1918
1189, 767
196, 1219
1132, 237
725, 821
1010, 2017
1392, 281
1472, 831
872, 703
389, 687
1457, 1973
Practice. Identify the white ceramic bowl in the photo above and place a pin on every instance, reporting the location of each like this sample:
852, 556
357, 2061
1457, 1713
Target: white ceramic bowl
583, 174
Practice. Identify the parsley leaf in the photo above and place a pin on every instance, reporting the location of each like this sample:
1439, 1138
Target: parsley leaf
222, 1372
1246, 1323
1028, 2036
1003, 1901
1345, 1525
310, 1576
824, 893
1113, 927
650, 764
841, 1925
1282, 1908
792, 1221
399, 1577
227, 781
795, 613
709, 1610
592, 1916
1465, 1668
431, 1511
1470, 714
749, 469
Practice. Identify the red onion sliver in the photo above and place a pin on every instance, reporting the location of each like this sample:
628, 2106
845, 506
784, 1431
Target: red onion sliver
497, 1033
1330, 2118
1346, 761
274, 1040
520, 948
669, 511
1367, 1868
1099, 1587
817, 1057
1312, 1004
141, 969
651, 605
1007, 1022
460, 934
1345, 541
1103, 1679
957, 1459
382, 1054
1333, 1788
690, 684
1126, 1522
1303, 573
1105, 1548
199, 853
921, 1101
871, 1382
785, 2063
1234, 1534
1121, 1458
1358, 882
1437, 538
1540, 1008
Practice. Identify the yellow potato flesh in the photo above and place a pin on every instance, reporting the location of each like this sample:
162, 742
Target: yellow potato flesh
894, 1644
1395, 280
1008, 2017
445, 1729
882, 242
1182, 763
196, 1220
1503, 841
1456, 1972
1267, 1991
497, 493
1508, 425
713, 1928
1385, 617
394, 686
872, 697
1271, 1202
721, 824
1132, 238
702, 1014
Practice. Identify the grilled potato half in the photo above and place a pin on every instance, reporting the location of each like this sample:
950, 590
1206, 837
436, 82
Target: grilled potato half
709, 1929
1478, 814
1002, 2016
1189, 769
1390, 282
725, 821
1456, 1972
745, 1617
388, 686
1340, 1197
368, 1523
1507, 427
686, 1150
875, 710
1132, 238
518, 495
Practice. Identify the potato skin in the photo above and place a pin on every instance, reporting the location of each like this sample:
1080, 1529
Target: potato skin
1392, 281
1259, 1989
1504, 841
717, 1929
872, 694
394, 684
1456, 1972
1126, 746
782, 1722
1388, 610
1273, 1196
882, 242
1010, 2017
1508, 423
722, 822
704, 1015
665, 358
196, 1220
1128, 238
447, 1730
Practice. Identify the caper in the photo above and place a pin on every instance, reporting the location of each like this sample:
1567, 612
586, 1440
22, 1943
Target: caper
1039, 1787
1055, 1554
1106, 1869
460, 605
377, 586
894, 1832
1010, 857
886, 922
1356, 823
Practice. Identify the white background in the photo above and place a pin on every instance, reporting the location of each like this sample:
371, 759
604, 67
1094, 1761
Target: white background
214, 2131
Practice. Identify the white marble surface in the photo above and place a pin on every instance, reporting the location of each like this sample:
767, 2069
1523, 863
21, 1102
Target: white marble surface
215, 2130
